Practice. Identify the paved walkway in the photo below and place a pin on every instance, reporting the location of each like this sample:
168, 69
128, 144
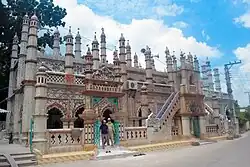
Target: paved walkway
222, 154
5, 147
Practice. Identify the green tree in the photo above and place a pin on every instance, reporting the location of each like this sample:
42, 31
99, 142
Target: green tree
12, 13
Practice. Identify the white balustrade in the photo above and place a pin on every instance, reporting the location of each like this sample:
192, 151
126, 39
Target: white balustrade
61, 140
135, 133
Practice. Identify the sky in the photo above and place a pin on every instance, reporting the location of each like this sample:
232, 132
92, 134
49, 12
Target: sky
215, 29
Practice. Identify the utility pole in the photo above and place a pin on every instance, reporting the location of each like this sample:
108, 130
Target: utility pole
227, 68
248, 93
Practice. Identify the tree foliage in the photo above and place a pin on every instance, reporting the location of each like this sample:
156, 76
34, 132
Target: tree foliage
12, 13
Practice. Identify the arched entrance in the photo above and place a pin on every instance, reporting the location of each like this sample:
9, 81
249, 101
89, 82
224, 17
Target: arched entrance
107, 114
79, 122
54, 119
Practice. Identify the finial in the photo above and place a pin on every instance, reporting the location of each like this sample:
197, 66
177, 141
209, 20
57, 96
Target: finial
102, 30
78, 30
95, 36
69, 29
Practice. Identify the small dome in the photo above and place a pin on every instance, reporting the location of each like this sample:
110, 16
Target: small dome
95, 40
128, 45
56, 31
15, 39
26, 17
34, 17
42, 68
122, 37
78, 36
144, 87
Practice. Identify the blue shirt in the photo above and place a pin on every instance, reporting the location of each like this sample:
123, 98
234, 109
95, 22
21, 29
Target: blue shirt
104, 129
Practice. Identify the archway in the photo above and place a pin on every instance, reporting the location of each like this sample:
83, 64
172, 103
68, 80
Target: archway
54, 119
140, 116
79, 122
106, 114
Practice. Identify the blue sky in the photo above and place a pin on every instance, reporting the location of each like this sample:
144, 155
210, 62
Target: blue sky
214, 17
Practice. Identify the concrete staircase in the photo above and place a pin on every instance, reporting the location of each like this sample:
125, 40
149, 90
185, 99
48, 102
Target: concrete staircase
18, 160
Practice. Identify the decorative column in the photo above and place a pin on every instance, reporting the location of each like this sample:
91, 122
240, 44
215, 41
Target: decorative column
169, 67
117, 68
128, 53
103, 48
149, 76
216, 109
144, 103
78, 52
12, 86
69, 56
56, 44
17, 127
136, 61
122, 56
40, 117
30, 78
95, 53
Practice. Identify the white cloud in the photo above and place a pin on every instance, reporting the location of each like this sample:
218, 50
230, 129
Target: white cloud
205, 35
136, 8
169, 10
243, 20
243, 54
140, 33
180, 24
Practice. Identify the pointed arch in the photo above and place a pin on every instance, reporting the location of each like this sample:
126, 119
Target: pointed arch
58, 106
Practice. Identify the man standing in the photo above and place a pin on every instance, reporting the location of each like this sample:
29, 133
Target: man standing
110, 131
104, 134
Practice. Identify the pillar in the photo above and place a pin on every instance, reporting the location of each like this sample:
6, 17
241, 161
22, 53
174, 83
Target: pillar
40, 117
30, 78
144, 103
12, 86
185, 126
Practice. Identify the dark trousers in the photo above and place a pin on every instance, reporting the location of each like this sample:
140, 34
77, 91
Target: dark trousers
105, 140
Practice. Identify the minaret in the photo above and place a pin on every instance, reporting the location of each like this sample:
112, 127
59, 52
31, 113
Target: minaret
217, 80
88, 64
169, 67
56, 44
117, 67
30, 78
20, 77
12, 86
103, 48
78, 43
69, 56
40, 116
190, 61
136, 61
149, 76
204, 76
122, 57
183, 69
210, 76
95, 53
128, 53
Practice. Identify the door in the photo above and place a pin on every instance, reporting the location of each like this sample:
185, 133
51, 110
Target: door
196, 126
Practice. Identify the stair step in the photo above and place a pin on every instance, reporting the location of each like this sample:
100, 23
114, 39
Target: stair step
3, 159
24, 157
4, 164
26, 163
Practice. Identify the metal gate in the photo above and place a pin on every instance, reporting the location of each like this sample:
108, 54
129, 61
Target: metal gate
196, 126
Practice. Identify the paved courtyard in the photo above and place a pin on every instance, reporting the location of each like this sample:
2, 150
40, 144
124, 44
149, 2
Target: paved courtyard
222, 154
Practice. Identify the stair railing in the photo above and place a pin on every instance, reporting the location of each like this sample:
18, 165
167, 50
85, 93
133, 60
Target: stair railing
165, 105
